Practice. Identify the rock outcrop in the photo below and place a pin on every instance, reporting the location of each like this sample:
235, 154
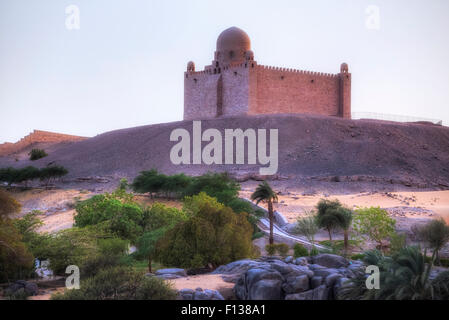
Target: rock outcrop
290, 279
199, 294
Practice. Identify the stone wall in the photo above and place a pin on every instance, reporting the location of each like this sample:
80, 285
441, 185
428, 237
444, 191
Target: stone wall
250, 88
37, 136
290, 91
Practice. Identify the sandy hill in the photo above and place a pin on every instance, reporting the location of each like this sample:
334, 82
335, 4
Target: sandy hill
311, 149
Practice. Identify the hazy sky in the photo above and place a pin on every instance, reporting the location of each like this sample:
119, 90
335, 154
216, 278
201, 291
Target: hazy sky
124, 66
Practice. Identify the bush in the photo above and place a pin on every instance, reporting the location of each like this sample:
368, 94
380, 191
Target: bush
211, 234
36, 154
8, 204
120, 283
20, 294
314, 251
257, 235
160, 216
15, 259
441, 284
72, 246
154, 182
358, 256
122, 218
374, 223
270, 249
47, 174
282, 249
51, 173
217, 185
299, 251
397, 242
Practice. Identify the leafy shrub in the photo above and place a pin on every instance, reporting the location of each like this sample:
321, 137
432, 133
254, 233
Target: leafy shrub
120, 283
8, 204
441, 284
270, 249
397, 242
15, 259
20, 294
257, 235
307, 226
403, 276
51, 173
314, 251
11, 175
282, 249
154, 182
212, 234
36, 154
109, 253
160, 216
358, 256
69, 247
374, 223
299, 251
123, 218
217, 185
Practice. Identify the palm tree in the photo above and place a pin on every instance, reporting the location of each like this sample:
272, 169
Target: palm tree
264, 193
345, 220
435, 234
404, 276
307, 226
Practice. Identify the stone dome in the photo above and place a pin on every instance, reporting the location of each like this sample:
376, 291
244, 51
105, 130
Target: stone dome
232, 45
233, 39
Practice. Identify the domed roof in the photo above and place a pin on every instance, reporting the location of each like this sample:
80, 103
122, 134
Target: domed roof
233, 39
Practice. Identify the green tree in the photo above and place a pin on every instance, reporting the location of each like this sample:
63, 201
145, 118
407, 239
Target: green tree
149, 181
50, 173
160, 216
146, 245
345, 221
15, 258
36, 154
217, 185
328, 215
374, 223
435, 234
122, 217
264, 193
212, 233
8, 204
403, 276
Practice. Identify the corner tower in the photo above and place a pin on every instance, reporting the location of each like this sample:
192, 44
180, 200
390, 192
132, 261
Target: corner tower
345, 92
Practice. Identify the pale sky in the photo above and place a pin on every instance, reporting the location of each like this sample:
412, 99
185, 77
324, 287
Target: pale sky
124, 66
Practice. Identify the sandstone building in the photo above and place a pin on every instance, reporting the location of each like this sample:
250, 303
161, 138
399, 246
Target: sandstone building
234, 84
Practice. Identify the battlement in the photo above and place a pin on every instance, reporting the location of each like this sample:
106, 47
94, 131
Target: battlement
298, 71
37, 136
